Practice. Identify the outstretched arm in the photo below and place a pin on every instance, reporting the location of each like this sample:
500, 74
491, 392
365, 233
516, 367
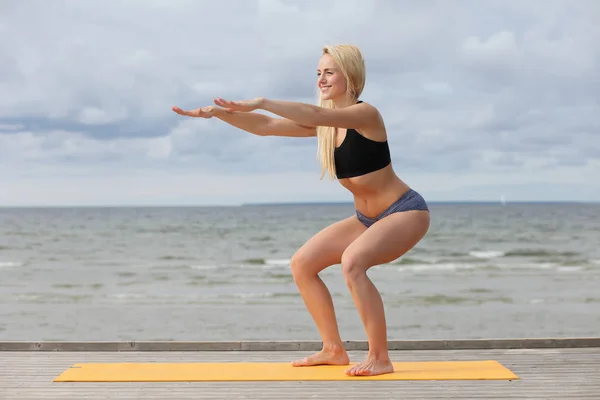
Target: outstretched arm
358, 116
258, 124
264, 125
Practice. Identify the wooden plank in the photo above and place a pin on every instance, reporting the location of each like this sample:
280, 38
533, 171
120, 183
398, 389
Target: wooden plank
545, 373
455, 344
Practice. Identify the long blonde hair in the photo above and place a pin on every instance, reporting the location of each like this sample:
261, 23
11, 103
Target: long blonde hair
351, 62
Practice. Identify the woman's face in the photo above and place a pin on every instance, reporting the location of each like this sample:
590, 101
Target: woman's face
331, 81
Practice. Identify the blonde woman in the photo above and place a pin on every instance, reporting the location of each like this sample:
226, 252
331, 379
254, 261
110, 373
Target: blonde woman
390, 219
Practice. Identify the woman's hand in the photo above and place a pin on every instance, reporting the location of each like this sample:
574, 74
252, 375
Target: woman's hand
204, 112
241, 106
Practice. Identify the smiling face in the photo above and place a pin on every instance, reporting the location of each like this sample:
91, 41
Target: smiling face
331, 81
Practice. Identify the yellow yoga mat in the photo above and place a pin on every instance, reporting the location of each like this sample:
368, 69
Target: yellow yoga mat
274, 371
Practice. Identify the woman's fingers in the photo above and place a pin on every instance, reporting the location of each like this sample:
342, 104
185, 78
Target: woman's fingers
178, 110
184, 112
224, 103
191, 113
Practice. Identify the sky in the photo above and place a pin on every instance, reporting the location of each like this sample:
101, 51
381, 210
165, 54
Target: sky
482, 100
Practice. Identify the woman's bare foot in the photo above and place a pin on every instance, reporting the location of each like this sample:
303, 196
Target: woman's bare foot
370, 367
324, 357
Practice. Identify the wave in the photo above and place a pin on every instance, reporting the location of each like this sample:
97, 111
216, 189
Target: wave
569, 268
205, 267
539, 253
436, 267
442, 299
265, 238
456, 266
51, 298
267, 263
408, 261
237, 297
174, 258
10, 264
487, 254
257, 261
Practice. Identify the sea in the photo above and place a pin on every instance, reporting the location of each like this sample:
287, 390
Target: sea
484, 270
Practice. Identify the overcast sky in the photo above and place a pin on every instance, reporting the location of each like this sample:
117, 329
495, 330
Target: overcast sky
482, 99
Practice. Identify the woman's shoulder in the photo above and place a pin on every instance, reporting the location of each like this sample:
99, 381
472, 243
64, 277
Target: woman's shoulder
374, 130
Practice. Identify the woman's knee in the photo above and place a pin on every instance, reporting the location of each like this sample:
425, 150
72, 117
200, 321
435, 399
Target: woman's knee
325, 248
300, 266
354, 266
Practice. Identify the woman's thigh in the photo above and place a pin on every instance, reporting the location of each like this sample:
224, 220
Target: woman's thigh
327, 246
387, 239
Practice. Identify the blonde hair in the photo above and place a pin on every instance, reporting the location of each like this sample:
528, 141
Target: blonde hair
351, 62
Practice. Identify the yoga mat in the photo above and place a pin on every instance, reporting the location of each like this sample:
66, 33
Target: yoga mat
274, 371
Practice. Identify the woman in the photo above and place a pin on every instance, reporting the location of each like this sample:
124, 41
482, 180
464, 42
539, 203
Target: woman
390, 217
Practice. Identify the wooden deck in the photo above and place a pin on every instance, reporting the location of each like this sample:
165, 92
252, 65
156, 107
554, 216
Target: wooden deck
548, 369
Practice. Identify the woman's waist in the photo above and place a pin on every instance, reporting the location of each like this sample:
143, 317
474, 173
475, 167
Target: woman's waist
373, 206
373, 200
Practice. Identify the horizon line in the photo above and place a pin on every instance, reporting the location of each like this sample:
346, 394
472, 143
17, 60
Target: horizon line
302, 203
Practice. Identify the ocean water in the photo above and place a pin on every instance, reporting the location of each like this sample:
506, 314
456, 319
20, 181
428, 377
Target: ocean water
222, 273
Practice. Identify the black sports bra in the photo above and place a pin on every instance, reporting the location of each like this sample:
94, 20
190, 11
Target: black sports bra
358, 155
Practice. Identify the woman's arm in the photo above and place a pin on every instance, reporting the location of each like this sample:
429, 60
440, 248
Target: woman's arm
264, 125
357, 116
258, 124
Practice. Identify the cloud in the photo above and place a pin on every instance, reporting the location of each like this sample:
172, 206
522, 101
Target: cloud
474, 94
